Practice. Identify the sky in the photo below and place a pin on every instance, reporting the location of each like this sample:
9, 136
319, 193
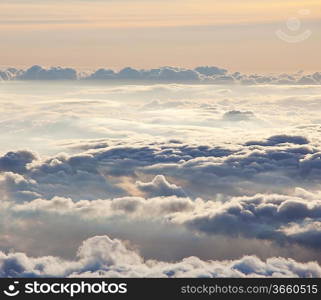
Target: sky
234, 34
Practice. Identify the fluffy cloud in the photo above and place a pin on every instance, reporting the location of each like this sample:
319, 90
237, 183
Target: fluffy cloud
97, 173
276, 164
280, 139
101, 256
279, 218
160, 187
210, 71
205, 74
15, 187
237, 116
8, 74
16, 161
102, 74
126, 207
54, 73
262, 216
163, 74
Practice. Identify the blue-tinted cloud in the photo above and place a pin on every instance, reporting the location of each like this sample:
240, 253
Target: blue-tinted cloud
209, 75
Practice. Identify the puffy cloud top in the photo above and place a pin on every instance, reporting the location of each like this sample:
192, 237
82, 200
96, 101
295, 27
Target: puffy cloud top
54, 73
280, 139
101, 256
160, 187
16, 161
210, 71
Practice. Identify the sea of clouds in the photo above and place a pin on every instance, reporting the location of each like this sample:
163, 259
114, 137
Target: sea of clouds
158, 180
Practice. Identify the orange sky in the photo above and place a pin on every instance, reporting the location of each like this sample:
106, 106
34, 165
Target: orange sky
237, 34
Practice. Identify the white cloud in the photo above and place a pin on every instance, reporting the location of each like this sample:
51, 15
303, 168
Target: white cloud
101, 256
160, 187
278, 218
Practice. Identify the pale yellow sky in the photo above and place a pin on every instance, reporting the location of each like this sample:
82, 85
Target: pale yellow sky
236, 34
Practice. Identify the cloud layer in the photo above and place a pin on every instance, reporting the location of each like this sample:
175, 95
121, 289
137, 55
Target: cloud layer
202, 74
103, 183
101, 256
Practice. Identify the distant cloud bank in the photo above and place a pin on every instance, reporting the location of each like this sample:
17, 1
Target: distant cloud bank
203, 74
